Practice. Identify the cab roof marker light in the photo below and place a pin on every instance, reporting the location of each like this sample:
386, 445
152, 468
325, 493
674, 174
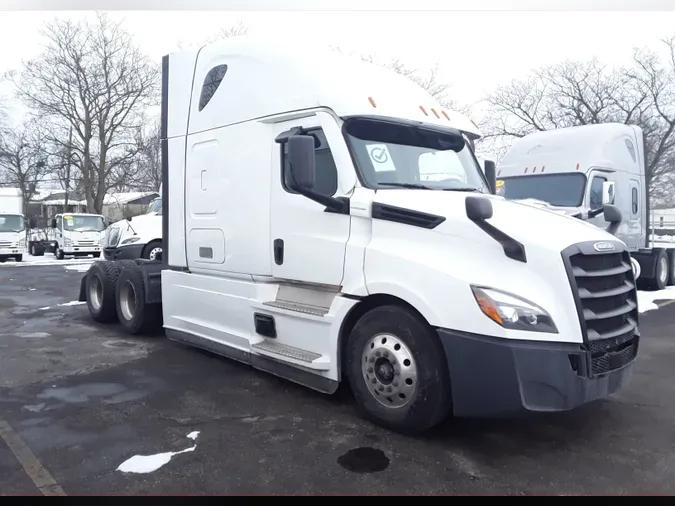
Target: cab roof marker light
474, 124
424, 111
534, 169
435, 113
525, 171
542, 168
446, 115
577, 166
372, 102
499, 172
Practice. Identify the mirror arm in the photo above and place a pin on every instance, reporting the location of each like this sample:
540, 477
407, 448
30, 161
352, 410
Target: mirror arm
332, 203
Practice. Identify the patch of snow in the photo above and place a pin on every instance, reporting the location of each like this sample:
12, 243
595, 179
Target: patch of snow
72, 303
646, 299
29, 261
45, 308
143, 464
78, 267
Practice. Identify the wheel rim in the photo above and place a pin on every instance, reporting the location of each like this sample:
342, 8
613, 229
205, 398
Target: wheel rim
663, 272
95, 292
389, 370
154, 252
128, 301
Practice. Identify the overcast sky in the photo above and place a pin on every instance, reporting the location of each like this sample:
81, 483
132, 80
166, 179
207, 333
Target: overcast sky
476, 50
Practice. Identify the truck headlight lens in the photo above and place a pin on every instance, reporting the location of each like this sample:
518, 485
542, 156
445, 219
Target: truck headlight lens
67, 242
512, 312
130, 240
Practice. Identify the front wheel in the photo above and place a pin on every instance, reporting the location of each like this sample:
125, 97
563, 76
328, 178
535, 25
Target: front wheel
153, 251
58, 253
18, 258
397, 370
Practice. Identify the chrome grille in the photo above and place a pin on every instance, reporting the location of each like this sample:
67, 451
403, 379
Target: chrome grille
5, 244
606, 299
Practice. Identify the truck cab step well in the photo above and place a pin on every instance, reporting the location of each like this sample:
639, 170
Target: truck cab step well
308, 358
297, 307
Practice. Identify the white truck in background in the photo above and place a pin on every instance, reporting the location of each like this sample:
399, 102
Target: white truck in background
12, 225
137, 237
577, 170
70, 234
301, 238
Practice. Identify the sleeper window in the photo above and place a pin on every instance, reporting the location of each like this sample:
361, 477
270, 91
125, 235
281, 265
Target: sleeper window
326, 170
211, 83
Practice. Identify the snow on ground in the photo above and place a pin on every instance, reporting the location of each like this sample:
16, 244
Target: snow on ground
47, 259
143, 464
646, 299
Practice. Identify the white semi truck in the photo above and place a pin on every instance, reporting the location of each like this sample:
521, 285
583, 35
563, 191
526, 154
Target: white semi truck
300, 238
577, 171
12, 225
138, 237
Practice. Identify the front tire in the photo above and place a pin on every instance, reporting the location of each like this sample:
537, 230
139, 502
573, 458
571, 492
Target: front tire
18, 258
397, 370
58, 253
153, 251
133, 313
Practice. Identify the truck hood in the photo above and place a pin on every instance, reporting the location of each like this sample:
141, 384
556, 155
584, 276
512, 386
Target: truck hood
85, 236
529, 224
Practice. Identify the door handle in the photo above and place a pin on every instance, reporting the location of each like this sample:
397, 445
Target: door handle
202, 180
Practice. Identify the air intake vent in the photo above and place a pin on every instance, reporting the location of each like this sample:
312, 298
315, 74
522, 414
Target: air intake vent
406, 216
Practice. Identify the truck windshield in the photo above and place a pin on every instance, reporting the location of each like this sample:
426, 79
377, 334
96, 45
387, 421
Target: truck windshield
155, 207
390, 154
12, 223
83, 223
561, 190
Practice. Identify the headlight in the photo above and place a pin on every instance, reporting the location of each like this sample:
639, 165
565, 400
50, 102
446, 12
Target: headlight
512, 312
67, 242
130, 240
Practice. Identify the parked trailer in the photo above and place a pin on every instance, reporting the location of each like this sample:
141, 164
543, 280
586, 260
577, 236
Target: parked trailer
578, 170
300, 239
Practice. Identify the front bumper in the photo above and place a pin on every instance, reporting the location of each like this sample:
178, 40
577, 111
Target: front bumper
493, 377
130, 252
81, 250
8, 252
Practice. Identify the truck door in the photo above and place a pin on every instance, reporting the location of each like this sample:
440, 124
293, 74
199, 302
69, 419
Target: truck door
307, 243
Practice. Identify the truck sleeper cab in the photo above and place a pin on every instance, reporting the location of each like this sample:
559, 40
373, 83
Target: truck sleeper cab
308, 233
578, 170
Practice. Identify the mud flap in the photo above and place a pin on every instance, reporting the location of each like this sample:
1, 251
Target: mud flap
83, 289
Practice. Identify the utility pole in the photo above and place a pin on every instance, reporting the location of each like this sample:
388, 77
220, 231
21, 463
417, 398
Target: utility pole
69, 151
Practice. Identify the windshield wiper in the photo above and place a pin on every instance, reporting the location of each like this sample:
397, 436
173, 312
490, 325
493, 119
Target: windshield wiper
462, 189
412, 186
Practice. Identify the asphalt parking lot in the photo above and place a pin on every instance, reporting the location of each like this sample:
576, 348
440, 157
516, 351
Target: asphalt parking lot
78, 399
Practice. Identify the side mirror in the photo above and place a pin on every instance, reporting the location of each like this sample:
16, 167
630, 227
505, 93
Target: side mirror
608, 193
302, 161
53, 223
491, 175
612, 213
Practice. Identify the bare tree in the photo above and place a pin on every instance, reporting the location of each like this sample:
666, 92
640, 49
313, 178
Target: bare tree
24, 160
582, 93
93, 78
145, 173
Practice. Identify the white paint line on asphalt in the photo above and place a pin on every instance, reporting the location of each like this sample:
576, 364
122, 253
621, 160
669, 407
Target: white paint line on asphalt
143, 464
42, 479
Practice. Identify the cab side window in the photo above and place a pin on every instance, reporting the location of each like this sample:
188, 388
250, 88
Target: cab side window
595, 199
326, 171
59, 223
